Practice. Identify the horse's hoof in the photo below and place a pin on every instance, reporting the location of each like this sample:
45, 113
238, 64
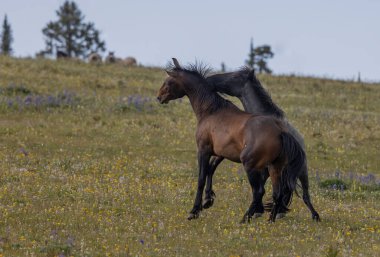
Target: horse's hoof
207, 203
280, 215
316, 218
245, 219
257, 215
272, 218
193, 216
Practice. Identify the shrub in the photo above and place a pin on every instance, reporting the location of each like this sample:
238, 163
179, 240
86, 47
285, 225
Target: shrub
334, 183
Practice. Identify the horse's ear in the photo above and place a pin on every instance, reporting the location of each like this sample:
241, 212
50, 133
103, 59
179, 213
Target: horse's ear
176, 63
251, 74
172, 73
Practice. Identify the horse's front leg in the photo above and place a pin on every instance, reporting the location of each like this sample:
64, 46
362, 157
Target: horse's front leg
209, 193
204, 166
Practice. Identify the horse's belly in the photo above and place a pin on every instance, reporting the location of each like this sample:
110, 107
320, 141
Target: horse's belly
231, 152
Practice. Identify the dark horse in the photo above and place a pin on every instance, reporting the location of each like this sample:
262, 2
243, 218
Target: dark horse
224, 131
244, 85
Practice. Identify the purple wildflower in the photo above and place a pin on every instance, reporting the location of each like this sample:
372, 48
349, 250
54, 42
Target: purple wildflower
23, 151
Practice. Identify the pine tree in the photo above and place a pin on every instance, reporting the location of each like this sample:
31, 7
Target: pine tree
257, 57
251, 56
262, 54
71, 34
223, 67
6, 38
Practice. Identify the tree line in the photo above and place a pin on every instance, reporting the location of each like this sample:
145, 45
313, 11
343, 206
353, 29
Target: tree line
71, 36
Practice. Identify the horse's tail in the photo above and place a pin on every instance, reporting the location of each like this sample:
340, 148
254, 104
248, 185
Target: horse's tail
295, 157
296, 160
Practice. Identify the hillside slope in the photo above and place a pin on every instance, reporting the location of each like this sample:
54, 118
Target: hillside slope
91, 164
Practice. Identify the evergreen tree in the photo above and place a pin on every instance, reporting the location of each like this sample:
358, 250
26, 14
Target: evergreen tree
262, 54
6, 38
251, 56
223, 67
71, 34
257, 57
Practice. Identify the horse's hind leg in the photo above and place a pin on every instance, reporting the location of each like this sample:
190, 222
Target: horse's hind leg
256, 209
305, 194
209, 193
277, 194
287, 198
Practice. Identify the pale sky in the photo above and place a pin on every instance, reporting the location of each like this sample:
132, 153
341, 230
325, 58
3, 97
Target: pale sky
333, 38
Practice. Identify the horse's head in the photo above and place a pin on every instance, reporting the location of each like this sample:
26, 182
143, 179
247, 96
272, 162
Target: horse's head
230, 83
173, 86
183, 80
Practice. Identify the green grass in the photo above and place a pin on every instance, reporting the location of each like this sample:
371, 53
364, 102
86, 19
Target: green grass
109, 174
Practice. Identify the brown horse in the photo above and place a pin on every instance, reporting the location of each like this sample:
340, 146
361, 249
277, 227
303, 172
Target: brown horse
224, 131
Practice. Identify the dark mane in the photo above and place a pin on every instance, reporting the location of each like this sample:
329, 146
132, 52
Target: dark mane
246, 74
264, 96
210, 100
198, 68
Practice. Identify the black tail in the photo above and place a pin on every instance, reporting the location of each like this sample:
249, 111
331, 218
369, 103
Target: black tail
294, 154
296, 159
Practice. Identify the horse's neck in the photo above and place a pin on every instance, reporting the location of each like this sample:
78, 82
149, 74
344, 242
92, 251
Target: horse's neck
205, 102
251, 102
197, 101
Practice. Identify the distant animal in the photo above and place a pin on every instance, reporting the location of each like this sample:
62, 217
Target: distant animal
111, 58
41, 54
129, 61
61, 54
94, 58
256, 100
224, 131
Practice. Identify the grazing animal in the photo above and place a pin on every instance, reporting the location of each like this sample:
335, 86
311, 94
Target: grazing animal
61, 54
245, 85
111, 58
224, 131
94, 58
42, 54
130, 61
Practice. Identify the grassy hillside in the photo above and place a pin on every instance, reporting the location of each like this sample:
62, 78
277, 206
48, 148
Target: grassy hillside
92, 165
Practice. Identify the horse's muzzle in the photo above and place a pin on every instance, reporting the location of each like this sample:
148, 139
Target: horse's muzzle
161, 100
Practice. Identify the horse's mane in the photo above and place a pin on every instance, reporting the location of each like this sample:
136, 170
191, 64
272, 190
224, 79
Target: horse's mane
265, 98
211, 99
198, 69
